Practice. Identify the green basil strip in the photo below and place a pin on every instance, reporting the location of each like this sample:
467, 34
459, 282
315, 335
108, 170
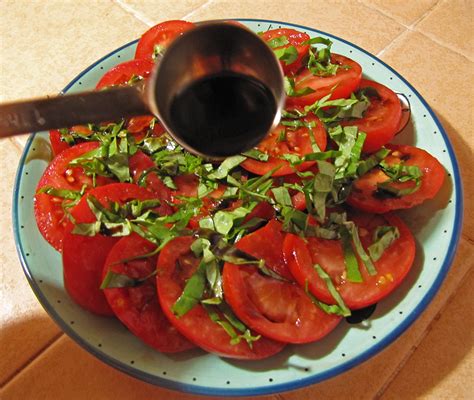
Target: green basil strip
323, 155
384, 236
116, 280
287, 54
332, 290
256, 155
371, 162
327, 308
290, 90
282, 196
224, 168
369, 265
350, 259
278, 41
192, 293
63, 193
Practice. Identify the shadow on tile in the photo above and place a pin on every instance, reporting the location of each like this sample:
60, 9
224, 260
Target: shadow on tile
23, 340
441, 360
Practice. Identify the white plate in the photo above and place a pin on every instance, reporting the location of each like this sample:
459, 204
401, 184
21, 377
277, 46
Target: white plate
436, 225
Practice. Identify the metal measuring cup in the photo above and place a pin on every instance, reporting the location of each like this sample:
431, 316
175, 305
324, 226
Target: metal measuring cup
210, 48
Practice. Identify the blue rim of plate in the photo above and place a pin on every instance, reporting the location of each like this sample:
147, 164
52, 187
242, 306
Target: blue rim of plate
261, 390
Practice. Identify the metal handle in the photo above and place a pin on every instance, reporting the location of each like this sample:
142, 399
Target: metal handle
64, 111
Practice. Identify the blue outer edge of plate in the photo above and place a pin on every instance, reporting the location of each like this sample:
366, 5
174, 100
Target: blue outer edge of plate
262, 390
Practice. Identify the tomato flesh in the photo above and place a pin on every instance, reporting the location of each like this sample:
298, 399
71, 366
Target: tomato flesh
280, 310
296, 142
137, 307
381, 120
175, 265
340, 85
366, 197
84, 256
160, 35
296, 39
122, 73
392, 267
49, 211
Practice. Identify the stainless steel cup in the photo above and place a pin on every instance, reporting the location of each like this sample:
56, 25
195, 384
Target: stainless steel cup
211, 48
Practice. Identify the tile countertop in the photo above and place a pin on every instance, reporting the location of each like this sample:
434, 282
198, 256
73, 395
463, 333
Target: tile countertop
43, 44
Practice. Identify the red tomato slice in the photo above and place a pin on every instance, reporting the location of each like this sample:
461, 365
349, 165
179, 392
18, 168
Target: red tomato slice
49, 211
297, 142
279, 310
138, 164
139, 127
55, 137
392, 267
345, 82
162, 35
295, 39
122, 73
366, 197
84, 256
381, 120
176, 264
137, 307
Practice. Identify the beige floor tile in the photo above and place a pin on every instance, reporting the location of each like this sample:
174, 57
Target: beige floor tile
443, 363
153, 12
450, 95
340, 18
66, 371
405, 12
43, 45
25, 329
451, 23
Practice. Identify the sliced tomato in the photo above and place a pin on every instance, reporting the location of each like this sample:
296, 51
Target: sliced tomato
176, 264
381, 120
392, 267
49, 211
84, 256
283, 140
295, 39
58, 144
122, 73
140, 163
341, 85
366, 196
160, 35
137, 307
139, 127
280, 310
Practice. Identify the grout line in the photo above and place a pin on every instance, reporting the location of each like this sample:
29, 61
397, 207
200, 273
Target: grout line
415, 346
30, 360
124, 6
412, 28
190, 14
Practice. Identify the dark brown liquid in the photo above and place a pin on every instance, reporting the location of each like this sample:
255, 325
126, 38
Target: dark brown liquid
222, 115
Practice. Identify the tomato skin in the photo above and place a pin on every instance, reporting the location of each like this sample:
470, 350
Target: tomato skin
391, 268
196, 324
57, 145
122, 73
381, 120
296, 39
347, 80
137, 307
162, 34
280, 310
48, 209
298, 142
363, 195
84, 256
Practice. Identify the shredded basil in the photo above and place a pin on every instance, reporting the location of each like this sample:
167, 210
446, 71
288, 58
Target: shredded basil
384, 237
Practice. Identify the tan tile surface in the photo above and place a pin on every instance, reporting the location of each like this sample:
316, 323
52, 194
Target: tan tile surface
451, 23
453, 333
341, 18
36, 57
25, 329
405, 12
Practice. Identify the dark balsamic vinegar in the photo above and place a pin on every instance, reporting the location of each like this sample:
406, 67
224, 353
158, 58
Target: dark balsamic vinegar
223, 114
